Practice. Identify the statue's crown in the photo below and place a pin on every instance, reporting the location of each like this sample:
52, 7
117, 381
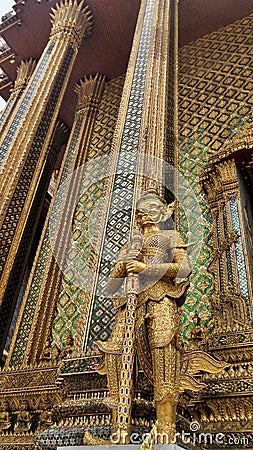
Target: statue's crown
151, 194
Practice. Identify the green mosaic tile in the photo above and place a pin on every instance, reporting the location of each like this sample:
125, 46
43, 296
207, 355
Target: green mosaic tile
215, 103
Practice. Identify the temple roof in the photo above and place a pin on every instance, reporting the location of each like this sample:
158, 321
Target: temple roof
107, 49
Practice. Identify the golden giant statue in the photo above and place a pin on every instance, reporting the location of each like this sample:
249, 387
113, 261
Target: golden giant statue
158, 259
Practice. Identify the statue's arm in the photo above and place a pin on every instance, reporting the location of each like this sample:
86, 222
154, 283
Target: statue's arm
119, 271
180, 266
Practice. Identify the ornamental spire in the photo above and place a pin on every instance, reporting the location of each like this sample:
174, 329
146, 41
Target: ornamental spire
24, 72
89, 91
73, 19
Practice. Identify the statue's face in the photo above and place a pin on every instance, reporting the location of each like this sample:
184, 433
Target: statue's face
150, 212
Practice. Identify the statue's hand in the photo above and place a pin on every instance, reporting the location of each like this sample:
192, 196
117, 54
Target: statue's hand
119, 270
135, 267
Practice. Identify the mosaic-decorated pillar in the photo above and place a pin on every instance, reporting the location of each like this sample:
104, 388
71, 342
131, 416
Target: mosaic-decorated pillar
231, 215
24, 73
57, 144
146, 126
25, 145
42, 293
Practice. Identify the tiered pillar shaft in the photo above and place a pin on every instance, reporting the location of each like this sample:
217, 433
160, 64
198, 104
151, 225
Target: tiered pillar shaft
24, 73
232, 262
45, 281
145, 139
25, 145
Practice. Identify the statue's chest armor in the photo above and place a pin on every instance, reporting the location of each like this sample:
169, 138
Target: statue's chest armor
156, 249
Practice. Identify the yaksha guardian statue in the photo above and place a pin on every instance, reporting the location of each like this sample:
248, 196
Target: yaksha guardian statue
159, 256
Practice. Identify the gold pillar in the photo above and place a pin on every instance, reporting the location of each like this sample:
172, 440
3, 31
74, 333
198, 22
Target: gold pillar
145, 134
158, 134
89, 93
157, 146
24, 73
25, 142
231, 256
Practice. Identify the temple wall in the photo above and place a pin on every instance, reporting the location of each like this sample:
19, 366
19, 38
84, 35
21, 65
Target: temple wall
215, 103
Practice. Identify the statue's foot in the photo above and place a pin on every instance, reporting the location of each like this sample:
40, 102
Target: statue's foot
166, 432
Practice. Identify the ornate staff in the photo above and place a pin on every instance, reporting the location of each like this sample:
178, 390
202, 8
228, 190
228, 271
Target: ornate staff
127, 357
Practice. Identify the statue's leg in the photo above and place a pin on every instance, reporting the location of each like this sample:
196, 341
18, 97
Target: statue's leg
114, 420
166, 375
163, 329
166, 416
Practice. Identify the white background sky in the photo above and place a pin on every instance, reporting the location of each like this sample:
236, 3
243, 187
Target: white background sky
5, 6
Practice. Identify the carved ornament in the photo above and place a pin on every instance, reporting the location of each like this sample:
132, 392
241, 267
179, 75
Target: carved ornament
71, 19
